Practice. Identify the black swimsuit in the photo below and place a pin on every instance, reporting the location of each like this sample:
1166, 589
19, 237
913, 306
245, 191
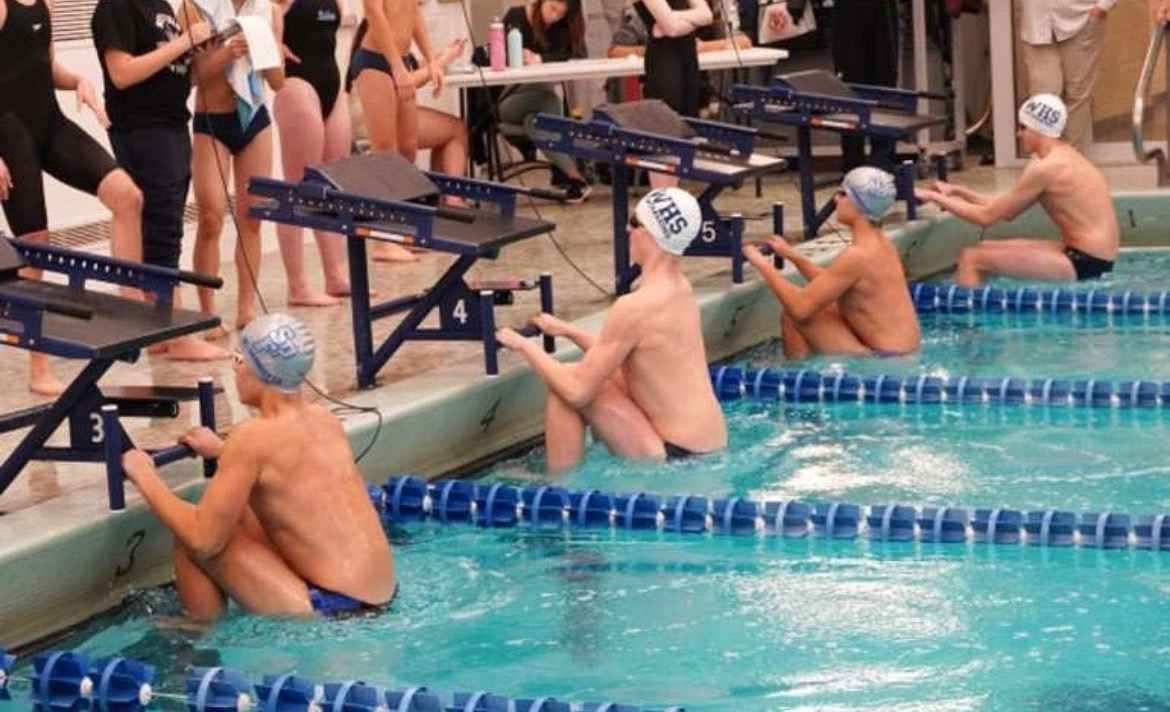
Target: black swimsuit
34, 135
672, 65
310, 32
1087, 266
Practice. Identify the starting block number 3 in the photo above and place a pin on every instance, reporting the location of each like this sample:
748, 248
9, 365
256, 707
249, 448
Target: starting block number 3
99, 428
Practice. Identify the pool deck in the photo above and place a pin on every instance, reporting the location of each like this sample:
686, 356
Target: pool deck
64, 557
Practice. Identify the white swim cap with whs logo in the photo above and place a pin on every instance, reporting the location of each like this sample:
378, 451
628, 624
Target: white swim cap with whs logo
672, 216
1045, 114
279, 349
872, 190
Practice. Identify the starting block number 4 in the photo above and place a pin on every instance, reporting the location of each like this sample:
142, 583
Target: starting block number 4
459, 313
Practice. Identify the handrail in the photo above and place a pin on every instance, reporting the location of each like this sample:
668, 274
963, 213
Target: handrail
1157, 39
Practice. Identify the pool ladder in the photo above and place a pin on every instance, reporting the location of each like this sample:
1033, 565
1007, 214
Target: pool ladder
1157, 40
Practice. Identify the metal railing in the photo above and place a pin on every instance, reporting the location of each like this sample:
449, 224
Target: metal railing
1157, 39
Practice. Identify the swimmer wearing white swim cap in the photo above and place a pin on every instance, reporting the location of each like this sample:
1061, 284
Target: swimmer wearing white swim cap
1069, 187
642, 385
286, 526
859, 304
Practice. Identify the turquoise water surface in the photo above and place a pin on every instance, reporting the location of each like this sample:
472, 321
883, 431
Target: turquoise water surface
721, 623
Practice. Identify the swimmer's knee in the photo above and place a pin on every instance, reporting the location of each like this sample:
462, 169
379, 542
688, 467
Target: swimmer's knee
120, 193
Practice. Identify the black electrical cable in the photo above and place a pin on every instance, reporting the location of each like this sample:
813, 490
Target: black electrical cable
495, 112
341, 406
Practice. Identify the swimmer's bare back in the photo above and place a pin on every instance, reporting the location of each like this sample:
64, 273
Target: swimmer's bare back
666, 370
878, 307
312, 502
1077, 198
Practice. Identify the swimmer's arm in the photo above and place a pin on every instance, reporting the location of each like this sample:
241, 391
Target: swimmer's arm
205, 528
579, 383
803, 303
677, 23
423, 38
971, 196
208, 64
1005, 206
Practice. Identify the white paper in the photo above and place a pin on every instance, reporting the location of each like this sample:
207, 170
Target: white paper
262, 47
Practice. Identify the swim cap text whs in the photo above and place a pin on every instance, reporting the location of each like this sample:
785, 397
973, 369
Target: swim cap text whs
1045, 114
672, 216
279, 349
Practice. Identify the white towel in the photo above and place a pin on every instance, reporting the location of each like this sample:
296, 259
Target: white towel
245, 81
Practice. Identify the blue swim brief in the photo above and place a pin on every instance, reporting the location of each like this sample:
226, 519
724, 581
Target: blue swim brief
330, 604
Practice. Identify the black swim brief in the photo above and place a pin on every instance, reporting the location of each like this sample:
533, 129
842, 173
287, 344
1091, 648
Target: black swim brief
1087, 266
677, 452
330, 604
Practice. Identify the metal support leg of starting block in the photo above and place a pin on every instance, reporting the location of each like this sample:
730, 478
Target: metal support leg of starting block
487, 321
941, 166
778, 230
904, 182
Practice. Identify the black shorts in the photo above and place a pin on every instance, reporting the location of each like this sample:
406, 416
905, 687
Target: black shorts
58, 147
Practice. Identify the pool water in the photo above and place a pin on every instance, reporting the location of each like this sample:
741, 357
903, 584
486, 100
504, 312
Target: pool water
723, 623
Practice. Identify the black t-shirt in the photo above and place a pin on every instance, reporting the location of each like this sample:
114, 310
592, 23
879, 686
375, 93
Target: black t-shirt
138, 27
560, 46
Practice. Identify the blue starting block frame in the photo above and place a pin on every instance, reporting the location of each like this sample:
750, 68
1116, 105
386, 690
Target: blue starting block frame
466, 312
720, 155
72, 322
818, 100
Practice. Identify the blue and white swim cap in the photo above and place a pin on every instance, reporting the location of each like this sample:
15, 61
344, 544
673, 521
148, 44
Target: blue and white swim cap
1045, 114
279, 349
672, 216
872, 190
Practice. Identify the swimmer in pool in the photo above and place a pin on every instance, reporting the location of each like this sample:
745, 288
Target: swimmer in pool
642, 384
1067, 185
285, 527
859, 304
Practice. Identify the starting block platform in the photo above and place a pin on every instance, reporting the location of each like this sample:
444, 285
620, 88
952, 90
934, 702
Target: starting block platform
384, 197
651, 136
70, 321
819, 100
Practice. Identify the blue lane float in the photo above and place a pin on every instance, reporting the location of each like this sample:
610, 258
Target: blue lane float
955, 299
808, 386
549, 507
68, 680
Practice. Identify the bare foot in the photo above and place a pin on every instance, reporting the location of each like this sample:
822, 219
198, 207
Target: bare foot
390, 252
245, 317
46, 384
338, 288
309, 299
190, 348
219, 333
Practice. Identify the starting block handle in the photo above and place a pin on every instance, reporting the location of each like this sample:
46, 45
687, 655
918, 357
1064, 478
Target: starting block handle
113, 448
207, 418
546, 306
49, 305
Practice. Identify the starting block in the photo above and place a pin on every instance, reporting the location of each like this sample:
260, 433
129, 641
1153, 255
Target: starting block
651, 136
819, 100
384, 197
69, 321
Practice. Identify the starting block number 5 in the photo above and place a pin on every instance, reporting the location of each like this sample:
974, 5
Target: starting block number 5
459, 313
707, 232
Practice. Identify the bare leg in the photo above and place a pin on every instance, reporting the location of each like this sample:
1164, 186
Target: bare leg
338, 138
825, 333
380, 111
1021, 258
254, 160
199, 594
795, 345
124, 200
189, 347
256, 576
623, 427
564, 434
446, 136
40, 376
302, 131
207, 158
